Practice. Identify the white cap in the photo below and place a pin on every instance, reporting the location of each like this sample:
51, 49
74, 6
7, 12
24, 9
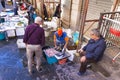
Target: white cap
38, 19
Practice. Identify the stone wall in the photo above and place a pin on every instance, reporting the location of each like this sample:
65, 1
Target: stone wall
65, 15
75, 14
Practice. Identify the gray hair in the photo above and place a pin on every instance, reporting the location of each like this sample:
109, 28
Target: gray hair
96, 32
38, 19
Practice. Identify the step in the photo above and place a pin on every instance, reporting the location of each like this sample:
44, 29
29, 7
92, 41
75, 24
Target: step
107, 67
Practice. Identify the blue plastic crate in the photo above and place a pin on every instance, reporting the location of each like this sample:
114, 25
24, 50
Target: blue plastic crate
51, 60
2, 35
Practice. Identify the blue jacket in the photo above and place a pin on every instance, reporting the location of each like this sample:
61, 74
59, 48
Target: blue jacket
95, 49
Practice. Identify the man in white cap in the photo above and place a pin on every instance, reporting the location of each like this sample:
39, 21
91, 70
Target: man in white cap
34, 39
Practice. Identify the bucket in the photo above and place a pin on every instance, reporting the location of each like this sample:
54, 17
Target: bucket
47, 33
2, 20
9, 2
62, 61
2, 35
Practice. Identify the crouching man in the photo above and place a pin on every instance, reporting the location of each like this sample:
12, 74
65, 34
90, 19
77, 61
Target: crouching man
60, 39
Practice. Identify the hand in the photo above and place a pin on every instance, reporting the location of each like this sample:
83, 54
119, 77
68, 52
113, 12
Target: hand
56, 47
25, 44
63, 50
83, 59
80, 50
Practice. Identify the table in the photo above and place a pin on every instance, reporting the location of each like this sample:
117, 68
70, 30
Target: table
13, 25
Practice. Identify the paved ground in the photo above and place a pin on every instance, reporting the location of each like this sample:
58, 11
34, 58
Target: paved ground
13, 66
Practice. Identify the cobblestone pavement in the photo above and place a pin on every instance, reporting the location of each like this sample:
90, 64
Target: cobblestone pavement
69, 71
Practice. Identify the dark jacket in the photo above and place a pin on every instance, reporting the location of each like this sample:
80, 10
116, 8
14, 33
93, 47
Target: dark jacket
95, 49
34, 35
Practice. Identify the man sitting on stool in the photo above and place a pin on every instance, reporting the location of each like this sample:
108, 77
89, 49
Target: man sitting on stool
93, 51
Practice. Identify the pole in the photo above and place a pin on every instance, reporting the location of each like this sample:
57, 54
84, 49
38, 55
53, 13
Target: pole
115, 4
70, 13
60, 15
84, 8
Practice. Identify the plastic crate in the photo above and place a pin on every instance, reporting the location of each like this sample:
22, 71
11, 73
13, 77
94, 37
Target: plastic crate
51, 60
2, 35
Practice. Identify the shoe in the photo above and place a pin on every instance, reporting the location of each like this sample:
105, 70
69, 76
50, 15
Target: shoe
89, 66
31, 72
40, 70
33, 64
80, 73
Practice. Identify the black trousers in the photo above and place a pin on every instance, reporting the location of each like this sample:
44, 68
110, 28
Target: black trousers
3, 4
83, 66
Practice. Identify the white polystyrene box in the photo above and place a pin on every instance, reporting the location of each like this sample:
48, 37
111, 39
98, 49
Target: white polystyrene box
20, 31
20, 43
11, 33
